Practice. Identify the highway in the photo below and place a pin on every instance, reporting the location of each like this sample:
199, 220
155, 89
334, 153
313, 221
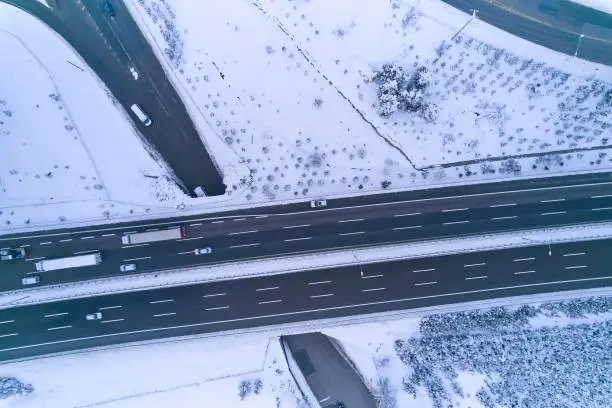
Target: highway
296, 228
110, 45
247, 303
554, 24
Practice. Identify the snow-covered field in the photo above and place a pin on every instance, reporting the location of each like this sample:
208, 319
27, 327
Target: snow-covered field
287, 88
603, 5
544, 355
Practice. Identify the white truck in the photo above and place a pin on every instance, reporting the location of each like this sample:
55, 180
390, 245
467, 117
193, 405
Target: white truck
152, 236
69, 262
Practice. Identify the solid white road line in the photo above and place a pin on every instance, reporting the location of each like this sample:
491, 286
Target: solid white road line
554, 213
137, 259
217, 308
7, 321
297, 226
353, 220
45, 243
319, 282
410, 227
189, 239
508, 217
56, 314
85, 252
66, 240
502, 205
298, 239
477, 277
244, 245
265, 302
372, 276
270, 288
89, 237
425, 283
553, 200
524, 272
110, 307
107, 235
424, 270
195, 224
576, 267
575, 254
602, 196
35, 259
407, 215
112, 321
455, 222
9, 335
522, 259
134, 246
455, 209
164, 314
352, 233
153, 302
373, 289
213, 295
476, 264
305, 312
601, 209
60, 327
320, 296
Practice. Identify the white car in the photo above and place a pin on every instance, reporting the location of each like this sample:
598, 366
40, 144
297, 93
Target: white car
127, 267
202, 251
30, 280
134, 72
318, 203
94, 316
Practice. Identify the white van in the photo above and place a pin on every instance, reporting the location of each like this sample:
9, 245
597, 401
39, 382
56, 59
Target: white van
141, 115
199, 191
30, 280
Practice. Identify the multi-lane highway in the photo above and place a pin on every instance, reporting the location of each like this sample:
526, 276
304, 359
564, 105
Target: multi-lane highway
110, 46
246, 303
345, 223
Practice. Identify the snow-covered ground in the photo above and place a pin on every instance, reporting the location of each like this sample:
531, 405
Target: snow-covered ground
554, 353
286, 88
603, 5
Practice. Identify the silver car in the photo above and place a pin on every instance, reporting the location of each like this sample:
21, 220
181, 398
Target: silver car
127, 267
94, 316
202, 251
318, 203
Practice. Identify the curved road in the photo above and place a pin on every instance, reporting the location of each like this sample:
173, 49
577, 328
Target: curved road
345, 223
309, 295
110, 45
554, 24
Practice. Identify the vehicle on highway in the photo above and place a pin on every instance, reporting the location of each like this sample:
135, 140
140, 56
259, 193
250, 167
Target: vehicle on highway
199, 191
340, 404
8, 254
93, 316
106, 6
133, 72
152, 236
318, 203
127, 267
141, 115
203, 251
76, 261
30, 280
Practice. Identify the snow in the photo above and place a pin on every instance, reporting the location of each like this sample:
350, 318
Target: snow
44, 2
300, 263
602, 5
185, 373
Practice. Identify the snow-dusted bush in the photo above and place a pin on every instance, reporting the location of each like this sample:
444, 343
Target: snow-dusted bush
165, 19
398, 91
10, 386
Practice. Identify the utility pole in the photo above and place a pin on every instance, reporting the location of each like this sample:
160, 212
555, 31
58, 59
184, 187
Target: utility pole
579, 44
540, 242
360, 267
474, 11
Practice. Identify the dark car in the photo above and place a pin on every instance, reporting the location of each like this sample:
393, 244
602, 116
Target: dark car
105, 4
340, 404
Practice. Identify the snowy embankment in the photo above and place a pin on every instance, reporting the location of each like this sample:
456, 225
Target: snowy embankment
294, 94
69, 151
464, 357
602, 5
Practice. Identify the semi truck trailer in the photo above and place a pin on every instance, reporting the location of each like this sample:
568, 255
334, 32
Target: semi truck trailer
152, 236
69, 262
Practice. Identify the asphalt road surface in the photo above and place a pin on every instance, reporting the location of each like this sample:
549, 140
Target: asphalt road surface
110, 45
328, 374
554, 24
345, 223
246, 303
